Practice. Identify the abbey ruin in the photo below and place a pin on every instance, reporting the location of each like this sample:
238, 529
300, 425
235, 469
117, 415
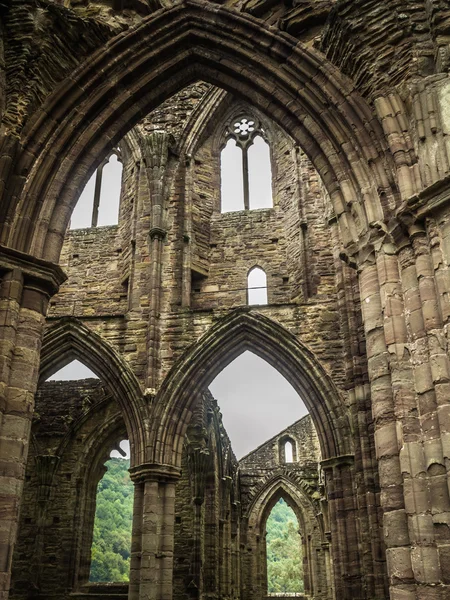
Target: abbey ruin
350, 102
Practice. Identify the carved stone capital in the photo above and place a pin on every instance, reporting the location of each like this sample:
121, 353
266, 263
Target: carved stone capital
41, 275
155, 472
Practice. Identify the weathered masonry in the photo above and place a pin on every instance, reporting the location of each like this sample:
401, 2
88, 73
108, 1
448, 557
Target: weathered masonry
348, 245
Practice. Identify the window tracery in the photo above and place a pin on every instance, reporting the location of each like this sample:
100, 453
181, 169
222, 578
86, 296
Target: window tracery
246, 174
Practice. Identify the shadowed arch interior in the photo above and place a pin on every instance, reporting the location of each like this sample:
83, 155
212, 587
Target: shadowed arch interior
70, 339
228, 338
111, 91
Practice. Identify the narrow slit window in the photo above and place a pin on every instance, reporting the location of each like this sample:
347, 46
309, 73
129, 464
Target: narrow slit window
256, 287
288, 452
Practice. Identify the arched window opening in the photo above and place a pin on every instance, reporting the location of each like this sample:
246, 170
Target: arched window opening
245, 391
74, 371
283, 551
232, 183
256, 287
98, 204
246, 174
288, 452
108, 206
259, 174
111, 544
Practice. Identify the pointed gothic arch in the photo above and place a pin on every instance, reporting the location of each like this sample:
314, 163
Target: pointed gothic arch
268, 494
314, 543
243, 330
69, 339
111, 91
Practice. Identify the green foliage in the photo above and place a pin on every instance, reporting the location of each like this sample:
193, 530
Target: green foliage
110, 558
284, 552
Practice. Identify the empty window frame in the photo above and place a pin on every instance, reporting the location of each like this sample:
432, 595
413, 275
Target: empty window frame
288, 450
256, 287
111, 542
98, 204
246, 173
284, 554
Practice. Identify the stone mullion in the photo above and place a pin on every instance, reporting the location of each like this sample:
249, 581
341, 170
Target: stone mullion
382, 306
431, 369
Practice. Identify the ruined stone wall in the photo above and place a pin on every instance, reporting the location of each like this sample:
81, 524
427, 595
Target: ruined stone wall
76, 424
206, 527
110, 269
265, 477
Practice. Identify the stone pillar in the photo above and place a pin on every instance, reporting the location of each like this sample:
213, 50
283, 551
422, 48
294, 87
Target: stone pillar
393, 403
155, 149
157, 521
345, 541
427, 499
26, 285
136, 541
306, 558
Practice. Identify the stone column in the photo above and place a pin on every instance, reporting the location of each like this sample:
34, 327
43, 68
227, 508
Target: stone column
393, 402
155, 149
156, 531
136, 541
345, 541
26, 285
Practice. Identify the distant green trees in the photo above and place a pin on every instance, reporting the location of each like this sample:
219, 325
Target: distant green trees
110, 558
284, 553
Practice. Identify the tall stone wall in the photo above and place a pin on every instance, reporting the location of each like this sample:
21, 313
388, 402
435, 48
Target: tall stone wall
75, 427
266, 476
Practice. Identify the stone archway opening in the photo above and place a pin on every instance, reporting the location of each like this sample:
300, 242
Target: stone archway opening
284, 556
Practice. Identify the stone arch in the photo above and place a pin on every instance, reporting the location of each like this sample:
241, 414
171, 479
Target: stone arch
240, 330
69, 339
111, 91
91, 469
310, 528
268, 495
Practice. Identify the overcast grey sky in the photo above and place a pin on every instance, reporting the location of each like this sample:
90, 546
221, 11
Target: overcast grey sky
256, 401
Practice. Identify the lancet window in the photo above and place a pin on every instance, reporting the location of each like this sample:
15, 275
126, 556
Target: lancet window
246, 174
256, 287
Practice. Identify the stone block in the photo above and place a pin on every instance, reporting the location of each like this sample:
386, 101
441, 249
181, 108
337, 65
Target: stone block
412, 459
425, 564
